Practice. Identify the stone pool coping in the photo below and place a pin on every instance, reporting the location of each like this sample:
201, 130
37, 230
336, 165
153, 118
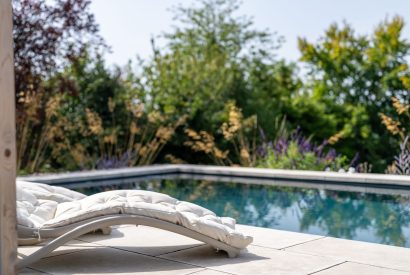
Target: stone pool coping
374, 183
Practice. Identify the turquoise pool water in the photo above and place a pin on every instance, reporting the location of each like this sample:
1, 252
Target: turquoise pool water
367, 217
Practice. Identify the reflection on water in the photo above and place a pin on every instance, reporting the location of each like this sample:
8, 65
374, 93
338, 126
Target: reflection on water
358, 216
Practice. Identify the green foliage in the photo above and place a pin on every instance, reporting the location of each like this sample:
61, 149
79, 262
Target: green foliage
299, 153
293, 159
215, 57
213, 60
353, 77
91, 122
271, 88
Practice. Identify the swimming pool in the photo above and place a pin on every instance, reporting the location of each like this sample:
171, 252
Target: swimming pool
378, 218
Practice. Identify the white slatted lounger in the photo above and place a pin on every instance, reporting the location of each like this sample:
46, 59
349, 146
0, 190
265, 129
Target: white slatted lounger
47, 212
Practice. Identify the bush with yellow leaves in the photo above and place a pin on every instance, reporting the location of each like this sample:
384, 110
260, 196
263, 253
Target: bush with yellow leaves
399, 127
395, 126
238, 132
89, 142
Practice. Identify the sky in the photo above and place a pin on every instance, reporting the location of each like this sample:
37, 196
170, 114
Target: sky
129, 25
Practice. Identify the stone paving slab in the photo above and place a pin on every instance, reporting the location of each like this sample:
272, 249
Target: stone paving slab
142, 250
143, 239
102, 260
360, 252
350, 268
277, 239
28, 271
70, 247
209, 272
257, 260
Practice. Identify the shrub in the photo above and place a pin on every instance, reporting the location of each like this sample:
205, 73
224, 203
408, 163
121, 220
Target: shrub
298, 152
238, 134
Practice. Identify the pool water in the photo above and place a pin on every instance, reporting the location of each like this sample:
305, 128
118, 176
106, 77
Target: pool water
367, 217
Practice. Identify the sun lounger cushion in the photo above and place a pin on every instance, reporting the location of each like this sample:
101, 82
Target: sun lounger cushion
43, 206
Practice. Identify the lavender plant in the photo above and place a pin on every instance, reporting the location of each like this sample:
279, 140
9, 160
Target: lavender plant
297, 152
110, 162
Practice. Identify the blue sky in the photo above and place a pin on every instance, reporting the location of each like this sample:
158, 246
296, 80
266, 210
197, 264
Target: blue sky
128, 25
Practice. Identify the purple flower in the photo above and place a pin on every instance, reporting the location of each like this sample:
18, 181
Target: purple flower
106, 162
280, 145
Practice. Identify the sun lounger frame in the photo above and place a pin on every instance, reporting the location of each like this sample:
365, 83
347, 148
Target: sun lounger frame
64, 234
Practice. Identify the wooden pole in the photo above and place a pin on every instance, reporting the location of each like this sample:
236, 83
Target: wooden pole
8, 249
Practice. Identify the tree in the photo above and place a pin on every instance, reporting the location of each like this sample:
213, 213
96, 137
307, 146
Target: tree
353, 77
211, 59
214, 56
46, 34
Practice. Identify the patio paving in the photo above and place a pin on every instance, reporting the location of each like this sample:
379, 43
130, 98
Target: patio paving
145, 250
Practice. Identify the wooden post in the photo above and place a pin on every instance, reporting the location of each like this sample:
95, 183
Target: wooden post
8, 254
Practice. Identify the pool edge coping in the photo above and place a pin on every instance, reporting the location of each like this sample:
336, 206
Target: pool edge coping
399, 181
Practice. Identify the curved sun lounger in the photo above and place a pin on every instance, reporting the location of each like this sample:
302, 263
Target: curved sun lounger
47, 212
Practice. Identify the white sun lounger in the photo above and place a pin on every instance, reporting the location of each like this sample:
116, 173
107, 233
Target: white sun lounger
47, 212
